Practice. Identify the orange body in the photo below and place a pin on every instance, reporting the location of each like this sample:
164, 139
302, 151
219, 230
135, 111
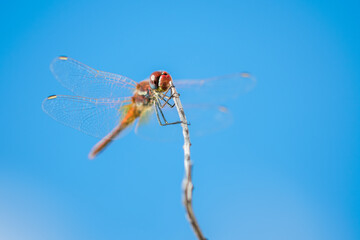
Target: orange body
141, 99
132, 114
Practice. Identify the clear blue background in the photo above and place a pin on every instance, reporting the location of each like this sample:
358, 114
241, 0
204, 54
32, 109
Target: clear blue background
288, 168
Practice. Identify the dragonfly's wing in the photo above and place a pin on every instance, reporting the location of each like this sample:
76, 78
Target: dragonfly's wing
204, 119
216, 89
86, 81
96, 117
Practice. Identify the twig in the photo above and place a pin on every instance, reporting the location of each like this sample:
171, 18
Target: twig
187, 182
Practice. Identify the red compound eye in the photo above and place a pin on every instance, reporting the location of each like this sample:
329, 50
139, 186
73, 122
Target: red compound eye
154, 80
160, 81
164, 81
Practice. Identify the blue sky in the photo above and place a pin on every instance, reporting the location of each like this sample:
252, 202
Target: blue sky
287, 168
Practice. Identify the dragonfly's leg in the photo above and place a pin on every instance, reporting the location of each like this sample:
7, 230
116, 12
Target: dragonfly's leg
157, 114
168, 99
173, 95
157, 105
158, 109
167, 102
163, 96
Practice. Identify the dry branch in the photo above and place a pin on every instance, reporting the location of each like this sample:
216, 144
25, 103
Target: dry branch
187, 182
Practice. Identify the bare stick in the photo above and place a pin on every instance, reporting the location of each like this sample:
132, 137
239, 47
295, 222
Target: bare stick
187, 182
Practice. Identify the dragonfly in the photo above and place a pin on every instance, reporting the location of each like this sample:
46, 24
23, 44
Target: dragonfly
106, 105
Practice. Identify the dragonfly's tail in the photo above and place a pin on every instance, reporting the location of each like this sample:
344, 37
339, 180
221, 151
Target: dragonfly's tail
106, 141
129, 118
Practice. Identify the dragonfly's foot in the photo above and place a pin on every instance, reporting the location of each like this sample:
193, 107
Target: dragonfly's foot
172, 123
175, 95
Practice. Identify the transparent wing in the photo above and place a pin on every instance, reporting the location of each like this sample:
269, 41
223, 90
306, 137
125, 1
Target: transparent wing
96, 117
216, 89
204, 119
86, 81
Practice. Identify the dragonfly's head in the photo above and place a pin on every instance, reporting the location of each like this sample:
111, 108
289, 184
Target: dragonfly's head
160, 81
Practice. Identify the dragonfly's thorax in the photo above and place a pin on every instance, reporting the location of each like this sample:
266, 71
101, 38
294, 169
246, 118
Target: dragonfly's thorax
143, 95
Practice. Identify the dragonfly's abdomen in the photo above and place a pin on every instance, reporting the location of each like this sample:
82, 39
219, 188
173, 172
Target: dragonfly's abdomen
131, 115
